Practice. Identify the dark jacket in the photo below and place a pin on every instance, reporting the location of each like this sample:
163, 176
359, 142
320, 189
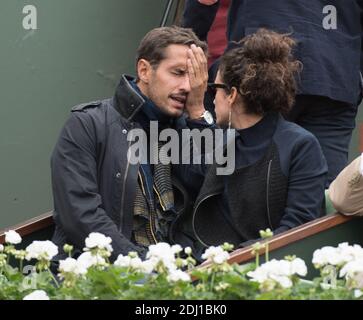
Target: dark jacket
93, 182
278, 184
331, 58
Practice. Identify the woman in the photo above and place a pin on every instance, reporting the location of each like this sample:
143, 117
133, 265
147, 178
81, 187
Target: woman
280, 172
330, 87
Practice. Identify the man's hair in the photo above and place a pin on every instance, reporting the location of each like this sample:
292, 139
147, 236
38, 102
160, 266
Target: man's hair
152, 46
263, 70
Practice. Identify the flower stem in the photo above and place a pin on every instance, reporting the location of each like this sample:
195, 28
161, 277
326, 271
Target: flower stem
54, 279
212, 281
333, 277
21, 266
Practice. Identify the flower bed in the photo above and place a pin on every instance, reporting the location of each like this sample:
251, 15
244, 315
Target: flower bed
169, 273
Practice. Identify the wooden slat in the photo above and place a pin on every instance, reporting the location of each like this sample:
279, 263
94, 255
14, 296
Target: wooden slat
238, 256
35, 224
321, 224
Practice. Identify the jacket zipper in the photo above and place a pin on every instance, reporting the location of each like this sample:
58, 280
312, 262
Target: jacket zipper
124, 186
160, 201
267, 193
194, 213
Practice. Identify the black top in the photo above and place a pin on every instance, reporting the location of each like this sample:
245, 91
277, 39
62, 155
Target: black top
298, 161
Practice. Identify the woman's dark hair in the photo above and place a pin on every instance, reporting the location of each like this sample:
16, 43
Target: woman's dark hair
263, 70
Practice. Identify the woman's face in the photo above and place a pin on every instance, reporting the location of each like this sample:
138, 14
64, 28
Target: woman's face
222, 107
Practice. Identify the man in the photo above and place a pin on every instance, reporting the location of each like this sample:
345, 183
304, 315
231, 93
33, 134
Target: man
329, 46
95, 187
346, 191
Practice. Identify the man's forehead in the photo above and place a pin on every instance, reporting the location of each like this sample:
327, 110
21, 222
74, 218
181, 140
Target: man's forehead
176, 54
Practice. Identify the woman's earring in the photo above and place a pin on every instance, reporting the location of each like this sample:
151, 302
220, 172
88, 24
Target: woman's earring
230, 119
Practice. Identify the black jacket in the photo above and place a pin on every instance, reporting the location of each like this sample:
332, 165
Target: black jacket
278, 184
93, 182
331, 58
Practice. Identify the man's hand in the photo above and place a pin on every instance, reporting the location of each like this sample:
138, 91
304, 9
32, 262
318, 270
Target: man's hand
208, 2
198, 78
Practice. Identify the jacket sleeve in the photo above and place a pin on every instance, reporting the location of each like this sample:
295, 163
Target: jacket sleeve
360, 4
77, 202
199, 17
306, 184
191, 172
346, 191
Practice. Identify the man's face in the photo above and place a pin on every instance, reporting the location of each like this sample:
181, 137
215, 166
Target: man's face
168, 84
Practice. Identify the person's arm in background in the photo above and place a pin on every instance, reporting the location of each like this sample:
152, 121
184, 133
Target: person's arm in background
346, 191
77, 201
199, 16
360, 4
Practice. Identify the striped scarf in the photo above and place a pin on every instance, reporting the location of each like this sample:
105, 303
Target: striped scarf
153, 212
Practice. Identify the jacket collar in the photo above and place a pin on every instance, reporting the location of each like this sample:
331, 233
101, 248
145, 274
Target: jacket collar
261, 132
150, 112
127, 101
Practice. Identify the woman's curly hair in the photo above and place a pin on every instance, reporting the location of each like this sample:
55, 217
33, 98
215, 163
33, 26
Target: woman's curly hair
263, 70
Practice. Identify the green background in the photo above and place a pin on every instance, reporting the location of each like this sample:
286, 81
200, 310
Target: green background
77, 54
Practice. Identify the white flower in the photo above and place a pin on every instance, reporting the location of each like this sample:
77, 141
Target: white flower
12, 237
122, 261
350, 252
71, 265
147, 266
327, 255
358, 293
298, 267
176, 248
136, 263
259, 275
353, 272
127, 261
188, 250
222, 286
161, 252
178, 275
98, 240
339, 256
87, 260
216, 255
41, 250
37, 295
280, 271
1, 248
283, 281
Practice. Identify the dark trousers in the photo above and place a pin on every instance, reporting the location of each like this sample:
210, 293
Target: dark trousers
332, 122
